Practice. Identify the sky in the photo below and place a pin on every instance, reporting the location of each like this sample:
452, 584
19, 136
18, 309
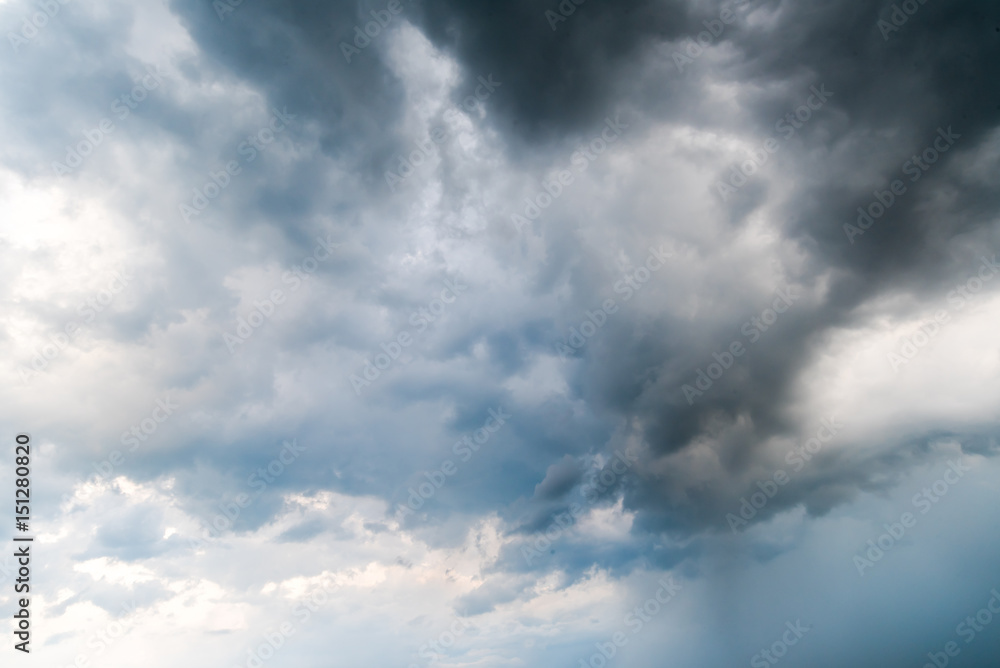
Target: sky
441, 333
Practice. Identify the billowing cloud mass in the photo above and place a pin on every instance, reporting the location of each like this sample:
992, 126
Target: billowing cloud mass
454, 333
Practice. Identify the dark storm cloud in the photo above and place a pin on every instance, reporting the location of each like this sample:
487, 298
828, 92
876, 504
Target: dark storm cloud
895, 95
559, 75
696, 460
889, 98
559, 479
292, 52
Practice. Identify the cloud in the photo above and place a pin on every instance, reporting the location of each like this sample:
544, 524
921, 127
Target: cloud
780, 310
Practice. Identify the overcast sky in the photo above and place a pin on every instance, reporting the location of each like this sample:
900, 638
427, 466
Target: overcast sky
536, 333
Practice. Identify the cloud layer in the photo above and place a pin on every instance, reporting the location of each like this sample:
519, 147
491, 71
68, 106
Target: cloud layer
553, 302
